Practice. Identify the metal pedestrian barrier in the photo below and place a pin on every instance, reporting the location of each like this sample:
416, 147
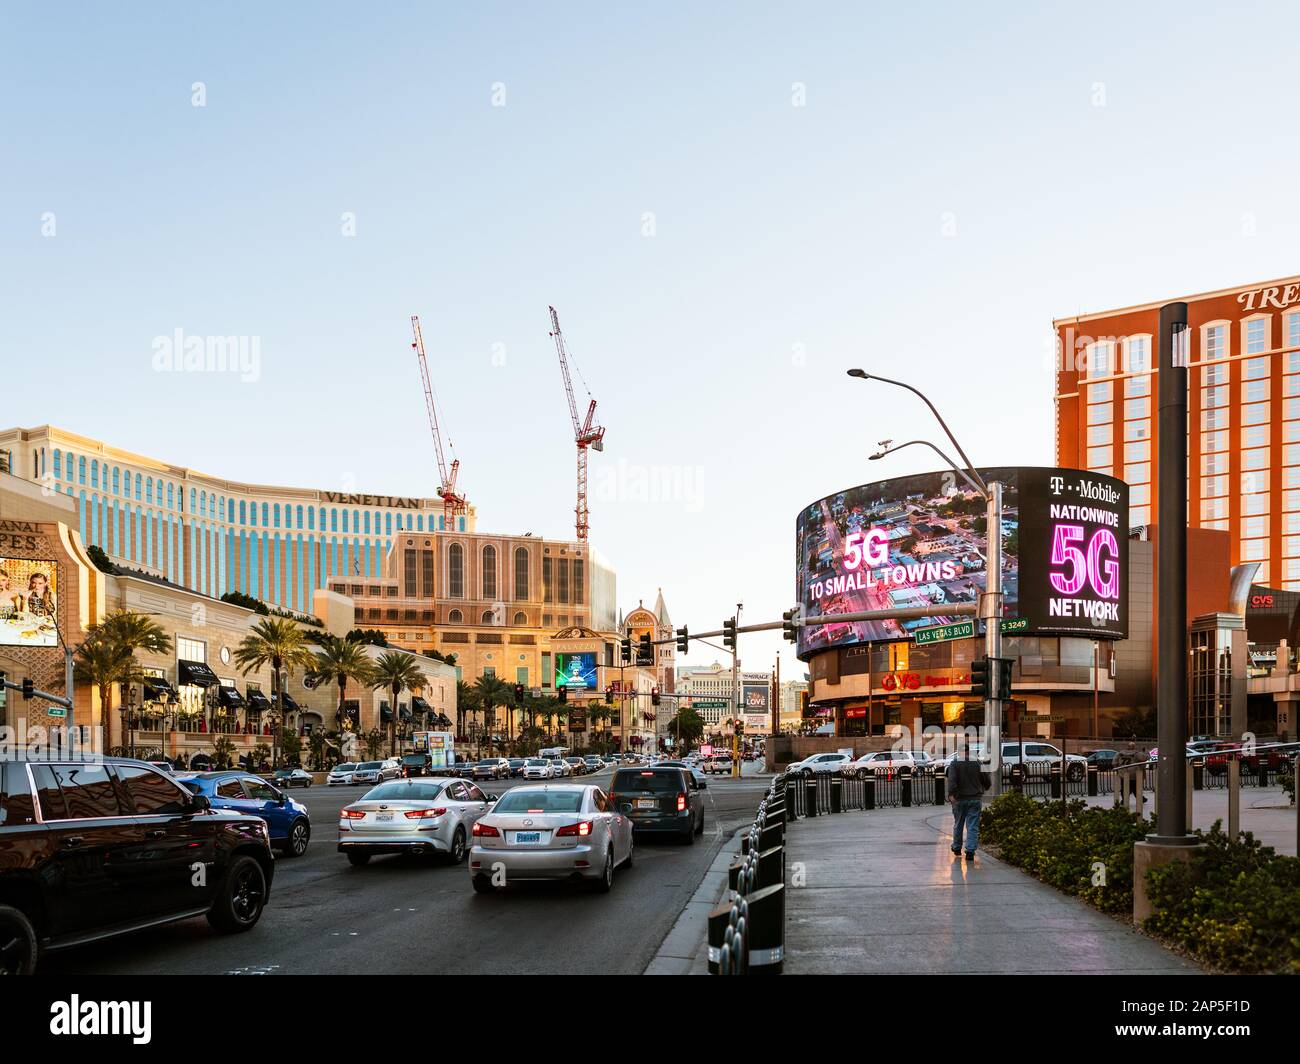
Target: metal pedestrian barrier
747, 932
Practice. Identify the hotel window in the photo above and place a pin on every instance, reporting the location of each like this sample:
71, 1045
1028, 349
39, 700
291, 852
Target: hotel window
1214, 441
454, 617
521, 574
1211, 487
1137, 386
521, 619
1213, 342
1214, 509
94, 473
489, 572
1138, 474
81, 470
1139, 495
1254, 550
577, 581
1254, 368
1101, 414
1254, 527
1212, 397
58, 465
1137, 355
1137, 452
1101, 457
1257, 414
1101, 393
547, 593
456, 571
487, 617
1137, 408
1255, 504
1291, 544
1291, 569
1256, 459
1217, 373
1100, 434
1137, 430
1251, 436
1291, 452
1101, 359
1215, 419
1256, 336
1254, 391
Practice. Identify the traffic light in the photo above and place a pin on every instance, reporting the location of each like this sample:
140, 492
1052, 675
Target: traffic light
729, 633
789, 629
609, 695
981, 679
29, 688
519, 694
683, 640
562, 693
627, 650
645, 651
740, 726
654, 696
1003, 687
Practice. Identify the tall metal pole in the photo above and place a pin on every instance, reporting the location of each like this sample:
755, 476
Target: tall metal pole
735, 703
1171, 580
993, 633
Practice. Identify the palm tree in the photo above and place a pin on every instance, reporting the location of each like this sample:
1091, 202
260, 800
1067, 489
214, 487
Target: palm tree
491, 692
465, 706
397, 671
279, 643
337, 661
103, 662
135, 631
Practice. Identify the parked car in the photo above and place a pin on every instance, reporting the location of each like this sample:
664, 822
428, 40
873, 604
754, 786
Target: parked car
292, 777
830, 762
890, 761
424, 816
1103, 759
538, 768
241, 792
660, 799
491, 768
1040, 756
341, 775
98, 849
570, 831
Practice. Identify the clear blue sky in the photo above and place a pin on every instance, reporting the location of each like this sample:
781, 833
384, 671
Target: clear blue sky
790, 242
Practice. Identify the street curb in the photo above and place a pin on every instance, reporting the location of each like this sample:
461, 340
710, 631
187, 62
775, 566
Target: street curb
685, 950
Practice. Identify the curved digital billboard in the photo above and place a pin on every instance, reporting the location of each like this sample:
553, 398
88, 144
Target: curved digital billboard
922, 541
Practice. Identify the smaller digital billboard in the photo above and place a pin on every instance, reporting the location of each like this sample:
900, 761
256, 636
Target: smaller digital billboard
577, 672
28, 591
755, 698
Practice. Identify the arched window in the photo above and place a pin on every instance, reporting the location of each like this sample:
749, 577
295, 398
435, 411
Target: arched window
58, 465
456, 571
521, 618
137, 487
521, 574
489, 572
487, 617
455, 617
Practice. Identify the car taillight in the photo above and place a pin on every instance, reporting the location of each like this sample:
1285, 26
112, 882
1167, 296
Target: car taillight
485, 831
581, 829
681, 803
352, 814
424, 814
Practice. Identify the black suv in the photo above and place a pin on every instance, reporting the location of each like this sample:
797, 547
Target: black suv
93, 849
660, 798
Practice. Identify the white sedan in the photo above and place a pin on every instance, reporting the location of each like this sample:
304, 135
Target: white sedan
821, 763
538, 768
561, 831
561, 767
420, 816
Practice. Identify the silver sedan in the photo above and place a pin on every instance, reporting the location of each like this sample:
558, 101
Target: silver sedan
423, 816
558, 831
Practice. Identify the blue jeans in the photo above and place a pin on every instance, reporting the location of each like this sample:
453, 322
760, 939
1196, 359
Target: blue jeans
966, 814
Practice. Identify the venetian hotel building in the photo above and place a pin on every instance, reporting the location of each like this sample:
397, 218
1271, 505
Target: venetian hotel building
213, 535
1244, 414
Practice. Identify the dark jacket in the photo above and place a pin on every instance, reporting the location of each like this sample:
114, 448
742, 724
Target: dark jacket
966, 779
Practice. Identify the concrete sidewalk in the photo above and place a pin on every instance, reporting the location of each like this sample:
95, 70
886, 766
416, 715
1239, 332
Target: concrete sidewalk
879, 892
1266, 812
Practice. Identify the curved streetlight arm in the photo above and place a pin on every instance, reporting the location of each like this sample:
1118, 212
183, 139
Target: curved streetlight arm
980, 489
983, 488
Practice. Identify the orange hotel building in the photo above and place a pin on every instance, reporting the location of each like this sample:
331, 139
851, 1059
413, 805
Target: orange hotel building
1244, 414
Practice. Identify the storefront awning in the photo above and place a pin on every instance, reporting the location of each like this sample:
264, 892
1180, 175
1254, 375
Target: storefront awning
257, 701
195, 674
404, 712
385, 711
230, 698
289, 704
156, 689
420, 705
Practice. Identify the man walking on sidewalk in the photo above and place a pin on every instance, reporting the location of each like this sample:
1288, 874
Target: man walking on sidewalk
966, 783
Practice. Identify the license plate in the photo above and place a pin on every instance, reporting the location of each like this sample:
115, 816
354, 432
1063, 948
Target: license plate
383, 817
647, 803
528, 838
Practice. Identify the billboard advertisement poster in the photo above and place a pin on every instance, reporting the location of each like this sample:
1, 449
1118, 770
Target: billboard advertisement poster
28, 603
922, 541
577, 672
755, 699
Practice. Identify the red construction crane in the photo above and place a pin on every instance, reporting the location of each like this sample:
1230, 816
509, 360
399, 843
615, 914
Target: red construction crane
585, 433
452, 502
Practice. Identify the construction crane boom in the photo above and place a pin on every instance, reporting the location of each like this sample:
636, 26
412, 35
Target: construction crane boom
453, 503
586, 434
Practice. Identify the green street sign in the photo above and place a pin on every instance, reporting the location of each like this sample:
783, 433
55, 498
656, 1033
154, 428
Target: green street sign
1038, 718
944, 632
1014, 624
56, 711
709, 703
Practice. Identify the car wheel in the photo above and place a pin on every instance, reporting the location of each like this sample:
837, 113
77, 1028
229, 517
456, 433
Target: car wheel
483, 885
18, 947
1074, 773
700, 830
358, 859
606, 881
457, 852
689, 837
240, 898
631, 852
299, 837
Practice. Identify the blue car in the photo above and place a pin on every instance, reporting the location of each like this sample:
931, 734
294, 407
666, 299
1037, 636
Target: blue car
242, 792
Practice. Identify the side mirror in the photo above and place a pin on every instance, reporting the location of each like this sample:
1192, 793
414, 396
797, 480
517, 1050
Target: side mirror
493, 798
198, 803
703, 785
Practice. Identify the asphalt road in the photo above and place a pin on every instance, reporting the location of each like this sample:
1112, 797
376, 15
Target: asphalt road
402, 915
